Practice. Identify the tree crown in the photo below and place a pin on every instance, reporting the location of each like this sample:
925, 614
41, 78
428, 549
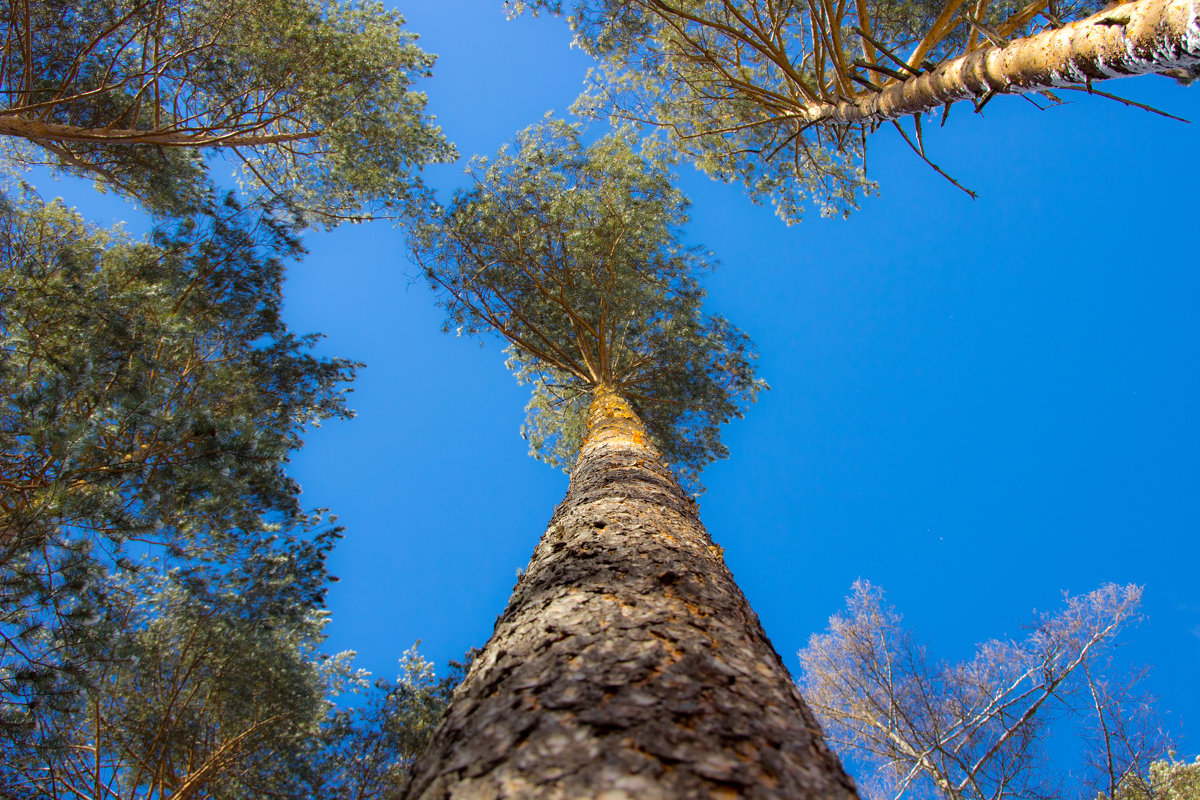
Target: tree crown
758, 91
573, 255
312, 98
976, 729
152, 394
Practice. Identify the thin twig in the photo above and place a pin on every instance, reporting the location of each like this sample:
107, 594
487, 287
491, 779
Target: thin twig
861, 80
986, 98
891, 73
936, 168
978, 25
1090, 90
886, 52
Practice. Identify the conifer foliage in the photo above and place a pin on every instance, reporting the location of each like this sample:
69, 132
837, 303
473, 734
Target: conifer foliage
572, 254
211, 684
781, 94
312, 99
151, 395
161, 588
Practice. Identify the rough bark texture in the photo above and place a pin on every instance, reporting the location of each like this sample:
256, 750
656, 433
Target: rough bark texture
1136, 38
628, 664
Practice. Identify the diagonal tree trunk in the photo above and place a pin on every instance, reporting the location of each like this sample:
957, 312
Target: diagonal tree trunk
628, 664
40, 131
1147, 36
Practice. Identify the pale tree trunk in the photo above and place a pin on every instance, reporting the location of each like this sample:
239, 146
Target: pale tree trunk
1136, 38
628, 664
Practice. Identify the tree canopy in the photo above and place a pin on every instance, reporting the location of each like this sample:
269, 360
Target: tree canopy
311, 99
209, 682
780, 95
204, 684
573, 255
151, 395
1167, 779
977, 729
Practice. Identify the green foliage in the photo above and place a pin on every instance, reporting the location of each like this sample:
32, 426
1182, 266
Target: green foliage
556, 414
687, 80
312, 99
369, 748
210, 683
573, 255
150, 393
197, 675
749, 89
1168, 780
149, 397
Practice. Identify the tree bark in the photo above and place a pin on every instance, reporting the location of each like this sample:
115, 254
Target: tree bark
628, 664
40, 131
1136, 38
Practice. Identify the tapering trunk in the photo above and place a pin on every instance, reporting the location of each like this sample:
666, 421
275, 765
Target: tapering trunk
1136, 38
628, 664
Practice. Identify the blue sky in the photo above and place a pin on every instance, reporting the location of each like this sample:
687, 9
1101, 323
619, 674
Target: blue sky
976, 405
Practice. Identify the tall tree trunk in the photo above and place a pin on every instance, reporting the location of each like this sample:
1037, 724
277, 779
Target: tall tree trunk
628, 664
1136, 38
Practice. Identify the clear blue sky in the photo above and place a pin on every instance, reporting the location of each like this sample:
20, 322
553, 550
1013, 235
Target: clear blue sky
975, 404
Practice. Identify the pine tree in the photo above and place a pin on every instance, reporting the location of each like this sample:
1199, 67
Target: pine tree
628, 663
782, 95
209, 682
149, 397
312, 99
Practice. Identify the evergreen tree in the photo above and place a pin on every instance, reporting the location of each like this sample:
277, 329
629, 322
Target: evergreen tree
1168, 779
203, 682
209, 683
149, 396
312, 99
628, 664
573, 256
780, 94
366, 749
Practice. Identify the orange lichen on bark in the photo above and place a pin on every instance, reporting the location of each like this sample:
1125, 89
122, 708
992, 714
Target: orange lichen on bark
611, 419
